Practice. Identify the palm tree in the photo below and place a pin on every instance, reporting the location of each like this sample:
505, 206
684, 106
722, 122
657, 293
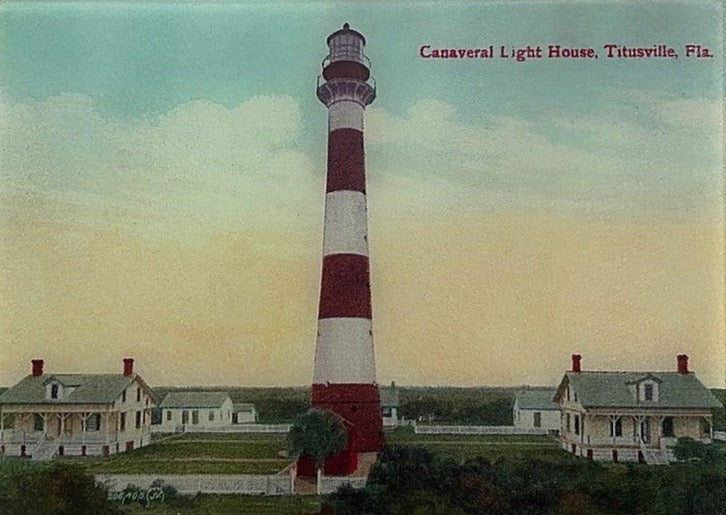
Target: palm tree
317, 433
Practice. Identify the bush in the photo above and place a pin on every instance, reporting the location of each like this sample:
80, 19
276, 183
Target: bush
55, 489
688, 449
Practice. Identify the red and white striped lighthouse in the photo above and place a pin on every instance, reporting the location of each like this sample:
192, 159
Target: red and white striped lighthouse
344, 379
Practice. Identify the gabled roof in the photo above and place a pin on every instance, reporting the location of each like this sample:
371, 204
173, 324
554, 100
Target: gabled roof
389, 396
612, 389
539, 399
243, 406
194, 399
87, 389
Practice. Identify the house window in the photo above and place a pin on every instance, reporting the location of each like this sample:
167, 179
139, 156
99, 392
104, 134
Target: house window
568, 393
668, 426
567, 424
138, 394
537, 419
123, 396
211, 416
195, 417
123, 422
54, 391
168, 415
648, 392
616, 427
615, 455
386, 411
37, 422
185, 417
138, 419
577, 424
705, 427
94, 422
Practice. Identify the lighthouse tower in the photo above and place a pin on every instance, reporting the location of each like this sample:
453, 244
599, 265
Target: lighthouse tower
344, 379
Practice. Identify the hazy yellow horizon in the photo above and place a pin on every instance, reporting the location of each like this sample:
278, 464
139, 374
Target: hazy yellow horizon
467, 299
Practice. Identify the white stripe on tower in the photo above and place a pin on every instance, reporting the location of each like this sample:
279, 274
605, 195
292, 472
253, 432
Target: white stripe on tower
350, 337
345, 223
345, 114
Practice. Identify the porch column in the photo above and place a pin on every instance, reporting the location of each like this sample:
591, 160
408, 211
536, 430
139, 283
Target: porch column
2, 425
659, 433
84, 423
22, 423
45, 417
63, 417
612, 419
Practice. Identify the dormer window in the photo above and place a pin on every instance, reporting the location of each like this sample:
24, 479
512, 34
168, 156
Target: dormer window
648, 392
54, 390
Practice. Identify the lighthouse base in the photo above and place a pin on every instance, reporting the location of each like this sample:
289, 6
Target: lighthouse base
358, 404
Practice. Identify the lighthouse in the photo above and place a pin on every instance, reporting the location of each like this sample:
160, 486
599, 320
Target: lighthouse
344, 378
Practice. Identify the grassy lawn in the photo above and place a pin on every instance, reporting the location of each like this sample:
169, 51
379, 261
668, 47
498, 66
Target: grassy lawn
460, 452
197, 454
233, 504
491, 447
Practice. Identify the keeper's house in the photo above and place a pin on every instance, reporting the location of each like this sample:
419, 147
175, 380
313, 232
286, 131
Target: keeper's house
190, 410
75, 414
632, 416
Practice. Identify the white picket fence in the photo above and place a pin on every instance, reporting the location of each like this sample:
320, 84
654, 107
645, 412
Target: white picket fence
719, 435
329, 484
190, 484
477, 430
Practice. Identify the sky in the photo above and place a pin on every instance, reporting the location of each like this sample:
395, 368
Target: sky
162, 171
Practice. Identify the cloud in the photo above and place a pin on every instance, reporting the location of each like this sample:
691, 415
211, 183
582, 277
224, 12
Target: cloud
200, 161
641, 153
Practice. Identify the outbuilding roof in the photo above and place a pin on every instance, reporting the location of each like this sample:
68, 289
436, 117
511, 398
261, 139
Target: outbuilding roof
389, 396
84, 389
539, 399
194, 399
615, 389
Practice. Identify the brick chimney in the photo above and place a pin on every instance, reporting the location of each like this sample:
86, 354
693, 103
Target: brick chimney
37, 367
682, 364
128, 366
576, 358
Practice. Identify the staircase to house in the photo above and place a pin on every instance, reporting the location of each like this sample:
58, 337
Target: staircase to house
46, 449
654, 456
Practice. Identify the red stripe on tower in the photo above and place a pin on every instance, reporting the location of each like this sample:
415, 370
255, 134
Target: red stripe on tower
344, 379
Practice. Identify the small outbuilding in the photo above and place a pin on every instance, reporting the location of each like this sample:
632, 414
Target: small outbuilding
244, 413
189, 410
535, 409
390, 402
